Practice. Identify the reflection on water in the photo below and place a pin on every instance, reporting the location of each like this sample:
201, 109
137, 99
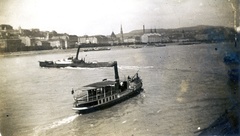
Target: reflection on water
185, 87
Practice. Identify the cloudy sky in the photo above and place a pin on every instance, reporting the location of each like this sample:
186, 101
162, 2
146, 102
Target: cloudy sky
92, 17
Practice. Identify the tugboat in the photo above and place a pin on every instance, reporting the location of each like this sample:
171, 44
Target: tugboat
74, 62
106, 93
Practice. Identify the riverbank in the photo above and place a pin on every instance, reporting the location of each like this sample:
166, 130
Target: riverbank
82, 49
25, 53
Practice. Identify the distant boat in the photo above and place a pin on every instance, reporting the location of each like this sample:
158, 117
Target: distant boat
188, 43
106, 93
160, 45
96, 49
156, 44
136, 46
74, 62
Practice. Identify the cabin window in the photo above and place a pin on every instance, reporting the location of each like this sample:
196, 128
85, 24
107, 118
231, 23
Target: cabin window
110, 98
103, 100
113, 90
106, 99
113, 97
99, 102
108, 90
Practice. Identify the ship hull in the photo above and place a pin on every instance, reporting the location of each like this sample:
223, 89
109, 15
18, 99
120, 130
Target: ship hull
84, 110
51, 64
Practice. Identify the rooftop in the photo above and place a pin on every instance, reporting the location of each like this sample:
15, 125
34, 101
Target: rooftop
101, 84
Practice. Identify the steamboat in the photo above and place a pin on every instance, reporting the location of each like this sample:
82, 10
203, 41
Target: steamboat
100, 95
74, 62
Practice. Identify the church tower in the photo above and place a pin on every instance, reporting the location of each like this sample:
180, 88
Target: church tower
19, 30
121, 39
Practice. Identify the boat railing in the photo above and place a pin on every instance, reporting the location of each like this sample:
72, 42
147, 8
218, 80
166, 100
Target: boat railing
80, 97
99, 96
87, 98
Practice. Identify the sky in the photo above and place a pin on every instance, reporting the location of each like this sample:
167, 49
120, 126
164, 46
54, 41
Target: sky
93, 17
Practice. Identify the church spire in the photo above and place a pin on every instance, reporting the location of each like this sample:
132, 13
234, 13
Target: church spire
121, 31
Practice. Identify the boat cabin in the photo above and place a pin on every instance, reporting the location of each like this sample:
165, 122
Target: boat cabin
100, 92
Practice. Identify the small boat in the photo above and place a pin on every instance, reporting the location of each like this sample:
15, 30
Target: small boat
156, 44
74, 62
159, 45
188, 43
96, 49
106, 93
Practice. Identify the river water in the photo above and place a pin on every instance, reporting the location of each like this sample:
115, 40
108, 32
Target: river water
185, 89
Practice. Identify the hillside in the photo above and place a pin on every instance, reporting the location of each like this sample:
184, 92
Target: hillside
213, 32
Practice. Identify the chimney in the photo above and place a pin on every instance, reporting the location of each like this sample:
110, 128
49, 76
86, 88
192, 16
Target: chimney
143, 29
47, 37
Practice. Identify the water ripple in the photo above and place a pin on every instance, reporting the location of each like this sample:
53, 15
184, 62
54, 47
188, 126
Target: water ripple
42, 129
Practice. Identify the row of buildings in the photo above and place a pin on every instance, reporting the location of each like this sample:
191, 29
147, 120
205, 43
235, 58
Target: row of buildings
31, 39
20, 38
17, 39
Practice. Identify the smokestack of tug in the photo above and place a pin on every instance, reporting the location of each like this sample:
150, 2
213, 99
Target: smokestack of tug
116, 71
77, 52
